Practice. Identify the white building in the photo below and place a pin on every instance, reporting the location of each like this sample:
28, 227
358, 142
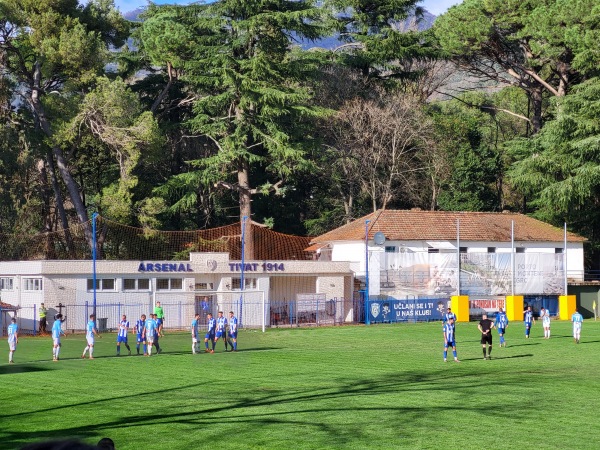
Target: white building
415, 253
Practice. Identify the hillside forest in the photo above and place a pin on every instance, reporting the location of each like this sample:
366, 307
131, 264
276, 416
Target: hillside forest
301, 115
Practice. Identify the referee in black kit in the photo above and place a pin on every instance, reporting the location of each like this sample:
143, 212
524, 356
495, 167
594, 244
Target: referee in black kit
485, 326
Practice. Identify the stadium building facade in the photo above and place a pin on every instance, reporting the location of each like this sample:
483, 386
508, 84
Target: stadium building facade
207, 282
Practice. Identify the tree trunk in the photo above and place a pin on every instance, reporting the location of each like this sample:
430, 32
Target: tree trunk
536, 103
245, 198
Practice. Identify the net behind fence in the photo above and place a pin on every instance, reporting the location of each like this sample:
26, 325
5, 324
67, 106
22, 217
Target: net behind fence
118, 241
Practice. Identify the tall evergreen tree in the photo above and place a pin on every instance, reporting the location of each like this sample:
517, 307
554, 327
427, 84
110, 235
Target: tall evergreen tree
252, 101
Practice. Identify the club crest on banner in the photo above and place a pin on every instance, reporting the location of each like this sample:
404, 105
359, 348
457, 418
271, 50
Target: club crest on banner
374, 309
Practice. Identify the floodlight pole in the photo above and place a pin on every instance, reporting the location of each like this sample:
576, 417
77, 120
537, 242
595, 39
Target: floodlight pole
458, 255
367, 318
512, 257
94, 244
565, 263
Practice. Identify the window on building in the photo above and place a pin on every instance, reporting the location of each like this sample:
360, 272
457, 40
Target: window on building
203, 286
169, 284
520, 249
463, 249
433, 250
136, 284
102, 284
249, 283
390, 249
559, 250
32, 284
491, 250
6, 284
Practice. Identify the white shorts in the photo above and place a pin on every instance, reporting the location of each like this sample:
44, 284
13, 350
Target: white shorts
194, 340
56, 341
90, 339
150, 339
576, 328
12, 344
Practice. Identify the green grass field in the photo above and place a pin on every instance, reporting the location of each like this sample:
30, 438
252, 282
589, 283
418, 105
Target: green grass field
382, 386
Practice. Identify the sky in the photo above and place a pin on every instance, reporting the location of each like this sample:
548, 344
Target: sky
435, 7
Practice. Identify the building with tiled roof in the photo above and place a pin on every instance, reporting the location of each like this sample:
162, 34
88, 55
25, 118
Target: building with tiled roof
416, 252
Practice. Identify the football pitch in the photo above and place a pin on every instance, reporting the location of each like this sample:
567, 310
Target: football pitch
379, 386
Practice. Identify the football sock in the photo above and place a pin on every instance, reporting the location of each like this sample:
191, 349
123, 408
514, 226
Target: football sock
10, 356
85, 350
137, 348
145, 348
118, 349
57, 351
128, 348
445, 354
235, 346
453, 354
91, 351
484, 354
490, 350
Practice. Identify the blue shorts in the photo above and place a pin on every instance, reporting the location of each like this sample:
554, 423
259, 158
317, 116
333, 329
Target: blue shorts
527, 325
122, 339
232, 334
140, 338
450, 344
220, 334
210, 336
501, 330
159, 322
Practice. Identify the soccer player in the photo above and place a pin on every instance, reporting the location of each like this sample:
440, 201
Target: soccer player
221, 328
56, 332
13, 339
195, 323
449, 340
501, 323
149, 334
577, 320
450, 315
140, 325
157, 335
529, 320
90, 333
232, 335
545, 316
485, 327
159, 317
122, 335
210, 333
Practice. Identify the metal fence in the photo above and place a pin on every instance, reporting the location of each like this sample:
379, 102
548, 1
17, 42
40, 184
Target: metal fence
178, 315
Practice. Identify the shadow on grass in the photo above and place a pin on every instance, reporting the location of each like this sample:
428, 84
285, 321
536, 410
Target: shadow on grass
21, 368
526, 355
522, 345
299, 407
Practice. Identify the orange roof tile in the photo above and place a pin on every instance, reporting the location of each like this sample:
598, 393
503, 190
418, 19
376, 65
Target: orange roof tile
418, 225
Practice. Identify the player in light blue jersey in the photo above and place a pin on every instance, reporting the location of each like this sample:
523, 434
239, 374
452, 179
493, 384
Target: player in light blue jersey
577, 320
449, 340
139, 328
57, 331
13, 339
232, 334
122, 335
501, 323
221, 328
545, 316
149, 333
529, 320
90, 332
210, 333
194, 328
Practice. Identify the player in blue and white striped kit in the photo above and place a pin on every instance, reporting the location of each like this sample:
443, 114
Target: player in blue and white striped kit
449, 340
501, 323
194, 328
232, 334
122, 335
529, 320
210, 333
577, 320
90, 332
140, 325
221, 328
56, 333
13, 339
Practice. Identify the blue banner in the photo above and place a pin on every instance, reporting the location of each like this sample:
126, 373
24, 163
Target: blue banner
391, 310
